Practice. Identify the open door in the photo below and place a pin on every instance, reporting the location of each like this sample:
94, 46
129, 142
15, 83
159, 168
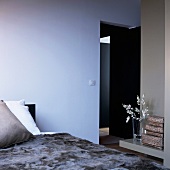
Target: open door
124, 76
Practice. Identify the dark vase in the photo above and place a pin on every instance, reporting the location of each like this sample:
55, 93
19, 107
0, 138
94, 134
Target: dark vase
137, 130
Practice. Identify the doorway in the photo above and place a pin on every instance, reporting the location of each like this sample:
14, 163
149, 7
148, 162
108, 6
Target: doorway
105, 89
119, 77
104, 82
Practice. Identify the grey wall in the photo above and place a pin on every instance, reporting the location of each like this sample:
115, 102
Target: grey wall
49, 50
155, 68
167, 83
153, 55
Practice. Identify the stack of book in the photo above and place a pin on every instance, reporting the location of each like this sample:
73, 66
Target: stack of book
154, 132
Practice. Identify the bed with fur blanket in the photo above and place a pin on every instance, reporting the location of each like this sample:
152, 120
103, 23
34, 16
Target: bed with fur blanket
65, 152
24, 147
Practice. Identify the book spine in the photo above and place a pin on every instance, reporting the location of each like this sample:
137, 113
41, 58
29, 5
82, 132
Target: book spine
152, 140
154, 129
156, 119
154, 134
155, 124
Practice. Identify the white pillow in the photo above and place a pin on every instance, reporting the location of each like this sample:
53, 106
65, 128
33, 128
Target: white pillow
21, 102
24, 116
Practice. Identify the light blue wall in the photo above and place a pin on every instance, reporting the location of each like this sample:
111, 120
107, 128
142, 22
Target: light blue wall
48, 52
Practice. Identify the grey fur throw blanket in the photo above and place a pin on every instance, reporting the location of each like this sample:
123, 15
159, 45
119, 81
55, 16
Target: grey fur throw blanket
62, 151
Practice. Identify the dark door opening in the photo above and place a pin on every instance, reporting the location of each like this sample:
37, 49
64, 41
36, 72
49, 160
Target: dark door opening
104, 84
123, 84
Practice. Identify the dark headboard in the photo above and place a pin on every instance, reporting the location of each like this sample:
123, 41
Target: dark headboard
31, 110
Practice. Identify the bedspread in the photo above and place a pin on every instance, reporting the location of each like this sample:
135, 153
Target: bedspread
66, 152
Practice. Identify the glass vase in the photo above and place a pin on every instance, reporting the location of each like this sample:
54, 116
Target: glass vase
137, 130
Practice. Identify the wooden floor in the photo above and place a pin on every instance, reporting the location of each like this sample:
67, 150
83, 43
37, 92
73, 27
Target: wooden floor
104, 132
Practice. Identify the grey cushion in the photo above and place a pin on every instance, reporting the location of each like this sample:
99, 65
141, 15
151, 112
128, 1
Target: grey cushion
11, 129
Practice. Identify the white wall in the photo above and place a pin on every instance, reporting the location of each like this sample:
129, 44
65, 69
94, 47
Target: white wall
48, 52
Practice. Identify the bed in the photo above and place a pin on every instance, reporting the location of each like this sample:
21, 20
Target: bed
62, 151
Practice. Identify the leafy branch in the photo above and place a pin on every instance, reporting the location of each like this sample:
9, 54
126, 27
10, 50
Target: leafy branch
135, 113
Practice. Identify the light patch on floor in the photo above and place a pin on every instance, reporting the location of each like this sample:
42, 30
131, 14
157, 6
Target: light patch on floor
104, 131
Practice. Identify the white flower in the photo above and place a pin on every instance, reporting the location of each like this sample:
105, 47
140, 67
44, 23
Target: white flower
138, 100
136, 109
127, 119
135, 113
